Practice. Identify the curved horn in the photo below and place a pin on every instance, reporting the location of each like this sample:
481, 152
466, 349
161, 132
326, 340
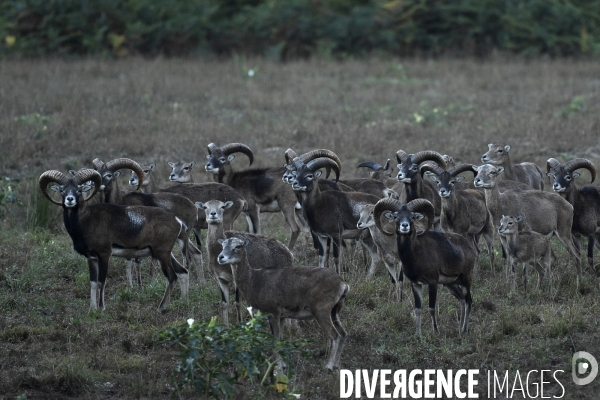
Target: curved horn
424, 206
290, 155
97, 163
387, 165
462, 168
120, 163
581, 163
432, 168
311, 155
49, 177
212, 147
84, 175
324, 162
387, 204
238, 148
553, 164
429, 155
400, 155
373, 165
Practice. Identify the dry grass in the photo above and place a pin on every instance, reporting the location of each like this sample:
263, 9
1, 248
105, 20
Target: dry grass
62, 114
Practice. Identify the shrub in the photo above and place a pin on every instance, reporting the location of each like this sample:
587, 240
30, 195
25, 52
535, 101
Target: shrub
299, 28
214, 359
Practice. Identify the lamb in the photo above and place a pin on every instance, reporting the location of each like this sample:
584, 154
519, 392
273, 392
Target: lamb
527, 247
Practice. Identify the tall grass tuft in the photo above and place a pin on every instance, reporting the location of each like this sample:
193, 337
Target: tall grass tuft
41, 214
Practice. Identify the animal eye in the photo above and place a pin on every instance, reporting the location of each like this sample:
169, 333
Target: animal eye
310, 176
452, 182
500, 151
568, 177
186, 168
147, 171
222, 159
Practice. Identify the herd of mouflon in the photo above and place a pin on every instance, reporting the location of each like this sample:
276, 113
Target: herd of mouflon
423, 221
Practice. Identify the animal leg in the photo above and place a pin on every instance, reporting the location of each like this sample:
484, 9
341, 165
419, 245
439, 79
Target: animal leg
432, 300
417, 290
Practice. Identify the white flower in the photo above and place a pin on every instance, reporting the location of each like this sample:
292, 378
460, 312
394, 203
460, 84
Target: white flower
190, 322
250, 73
249, 310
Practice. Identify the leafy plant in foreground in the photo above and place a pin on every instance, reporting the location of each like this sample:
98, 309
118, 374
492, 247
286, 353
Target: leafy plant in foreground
215, 359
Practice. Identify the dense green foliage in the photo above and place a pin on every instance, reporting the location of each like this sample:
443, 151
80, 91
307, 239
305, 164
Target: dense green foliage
213, 358
299, 28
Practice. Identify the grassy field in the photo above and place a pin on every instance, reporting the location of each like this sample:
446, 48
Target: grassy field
62, 114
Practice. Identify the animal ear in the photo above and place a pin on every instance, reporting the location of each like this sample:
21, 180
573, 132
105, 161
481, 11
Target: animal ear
228, 204
476, 168
490, 145
499, 170
72, 172
507, 148
388, 215
246, 241
117, 174
519, 218
220, 241
208, 156
460, 178
575, 175
55, 188
230, 157
551, 175
152, 166
192, 164
86, 187
318, 174
171, 164
432, 176
199, 205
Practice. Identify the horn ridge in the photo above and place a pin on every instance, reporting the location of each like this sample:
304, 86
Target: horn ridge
231, 148
429, 155
552, 164
324, 162
424, 206
462, 168
581, 163
121, 163
387, 204
48, 177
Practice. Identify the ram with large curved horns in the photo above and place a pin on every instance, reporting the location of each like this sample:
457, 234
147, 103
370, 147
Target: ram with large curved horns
100, 231
585, 200
429, 257
463, 211
262, 188
331, 214
416, 187
180, 206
